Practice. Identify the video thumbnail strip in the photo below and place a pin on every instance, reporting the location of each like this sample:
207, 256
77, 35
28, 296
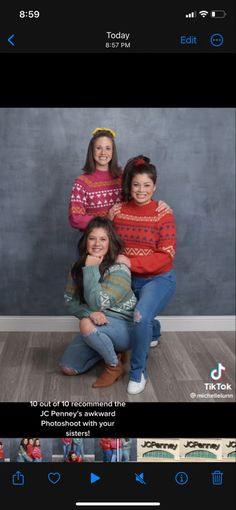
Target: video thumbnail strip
74, 450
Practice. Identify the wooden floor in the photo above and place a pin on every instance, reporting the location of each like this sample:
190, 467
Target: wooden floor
179, 366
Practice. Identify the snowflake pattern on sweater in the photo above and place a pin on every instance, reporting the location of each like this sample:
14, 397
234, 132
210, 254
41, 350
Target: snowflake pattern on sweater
149, 236
93, 195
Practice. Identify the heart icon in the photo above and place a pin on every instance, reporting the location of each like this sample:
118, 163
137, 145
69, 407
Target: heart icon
54, 477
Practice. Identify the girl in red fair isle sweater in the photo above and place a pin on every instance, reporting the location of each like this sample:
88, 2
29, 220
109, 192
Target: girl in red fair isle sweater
99, 187
29, 447
37, 452
147, 228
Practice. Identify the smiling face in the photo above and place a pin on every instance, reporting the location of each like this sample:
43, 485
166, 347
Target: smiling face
142, 189
102, 152
98, 242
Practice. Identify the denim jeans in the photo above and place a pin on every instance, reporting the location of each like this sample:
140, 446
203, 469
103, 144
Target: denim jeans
103, 343
154, 294
126, 454
137, 285
78, 449
66, 450
107, 455
114, 455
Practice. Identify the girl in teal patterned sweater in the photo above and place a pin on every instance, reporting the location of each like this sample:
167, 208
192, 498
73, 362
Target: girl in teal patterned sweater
99, 293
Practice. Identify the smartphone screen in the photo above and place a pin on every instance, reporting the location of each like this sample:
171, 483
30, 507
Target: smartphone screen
117, 307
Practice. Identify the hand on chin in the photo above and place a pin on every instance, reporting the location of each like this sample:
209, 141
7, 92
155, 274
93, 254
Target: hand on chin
93, 260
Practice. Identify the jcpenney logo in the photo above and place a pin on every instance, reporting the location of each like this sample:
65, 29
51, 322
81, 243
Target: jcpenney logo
153, 444
196, 444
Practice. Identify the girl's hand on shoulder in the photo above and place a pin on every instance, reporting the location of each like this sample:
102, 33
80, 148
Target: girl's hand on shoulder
115, 209
98, 318
93, 261
122, 259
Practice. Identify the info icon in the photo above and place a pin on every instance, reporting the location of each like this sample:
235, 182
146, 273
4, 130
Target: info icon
181, 478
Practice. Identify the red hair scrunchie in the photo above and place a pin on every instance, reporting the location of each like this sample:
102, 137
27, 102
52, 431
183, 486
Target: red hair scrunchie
139, 161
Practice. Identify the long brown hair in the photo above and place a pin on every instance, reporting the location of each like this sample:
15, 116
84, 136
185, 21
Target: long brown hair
114, 249
90, 166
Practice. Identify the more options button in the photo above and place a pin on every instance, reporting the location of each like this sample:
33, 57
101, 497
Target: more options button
217, 40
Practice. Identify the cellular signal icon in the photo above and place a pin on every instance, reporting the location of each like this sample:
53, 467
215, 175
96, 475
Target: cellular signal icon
203, 14
192, 14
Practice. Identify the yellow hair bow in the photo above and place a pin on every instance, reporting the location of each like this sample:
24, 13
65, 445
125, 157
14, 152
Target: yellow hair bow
95, 131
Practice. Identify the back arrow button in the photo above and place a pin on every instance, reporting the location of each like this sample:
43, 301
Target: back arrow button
10, 39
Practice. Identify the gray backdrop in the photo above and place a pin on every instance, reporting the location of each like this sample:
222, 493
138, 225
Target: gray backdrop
42, 150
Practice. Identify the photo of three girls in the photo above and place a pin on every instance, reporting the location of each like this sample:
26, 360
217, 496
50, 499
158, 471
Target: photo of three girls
124, 274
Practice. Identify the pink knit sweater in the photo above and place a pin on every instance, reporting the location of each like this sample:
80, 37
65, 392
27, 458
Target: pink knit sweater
93, 195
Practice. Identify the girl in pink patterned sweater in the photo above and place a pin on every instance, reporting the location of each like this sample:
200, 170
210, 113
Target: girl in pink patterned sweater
99, 187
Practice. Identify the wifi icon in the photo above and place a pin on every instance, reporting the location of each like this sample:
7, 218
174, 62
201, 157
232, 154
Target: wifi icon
203, 13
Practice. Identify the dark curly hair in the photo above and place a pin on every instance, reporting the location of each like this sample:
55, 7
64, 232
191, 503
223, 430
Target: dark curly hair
114, 249
138, 165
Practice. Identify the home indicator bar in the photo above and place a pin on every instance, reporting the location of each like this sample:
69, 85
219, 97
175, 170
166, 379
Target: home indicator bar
120, 503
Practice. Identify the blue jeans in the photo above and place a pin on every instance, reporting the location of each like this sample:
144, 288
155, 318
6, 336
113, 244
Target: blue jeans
154, 294
114, 455
126, 455
103, 343
137, 285
66, 450
107, 454
78, 449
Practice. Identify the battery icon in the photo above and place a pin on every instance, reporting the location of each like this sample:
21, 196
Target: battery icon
218, 14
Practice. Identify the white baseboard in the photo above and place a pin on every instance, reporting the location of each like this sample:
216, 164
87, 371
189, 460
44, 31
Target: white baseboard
170, 323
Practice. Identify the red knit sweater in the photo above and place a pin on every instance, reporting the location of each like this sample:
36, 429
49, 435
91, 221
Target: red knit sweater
93, 195
149, 235
37, 453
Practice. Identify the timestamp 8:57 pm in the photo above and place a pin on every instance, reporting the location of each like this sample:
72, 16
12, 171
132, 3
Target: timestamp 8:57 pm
116, 44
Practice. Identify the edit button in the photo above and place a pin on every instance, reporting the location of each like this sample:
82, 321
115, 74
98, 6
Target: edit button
188, 39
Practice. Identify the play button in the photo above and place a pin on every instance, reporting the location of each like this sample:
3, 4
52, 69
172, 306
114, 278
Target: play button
94, 478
